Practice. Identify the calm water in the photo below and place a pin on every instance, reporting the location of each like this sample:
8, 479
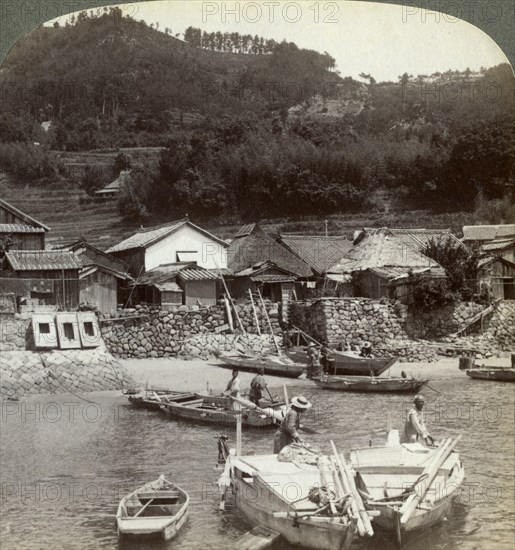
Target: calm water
66, 463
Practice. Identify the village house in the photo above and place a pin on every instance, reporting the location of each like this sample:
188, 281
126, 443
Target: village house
498, 276
258, 262
180, 283
494, 240
320, 253
112, 190
103, 279
49, 276
19, 231
381, 259
179, 241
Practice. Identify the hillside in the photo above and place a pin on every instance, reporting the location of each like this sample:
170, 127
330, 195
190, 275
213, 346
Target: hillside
241, 128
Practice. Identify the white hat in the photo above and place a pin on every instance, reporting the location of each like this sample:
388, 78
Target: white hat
311, 344
301, 402
419, 398
366, 344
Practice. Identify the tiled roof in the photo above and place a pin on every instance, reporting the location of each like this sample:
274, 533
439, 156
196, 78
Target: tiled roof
19, 214
198, 274
273, 278
92, 256
42, 260
245, 230
147, 237
168, 287
19, 228
258, 247
498, 244
488, 232
377, 248
320, 252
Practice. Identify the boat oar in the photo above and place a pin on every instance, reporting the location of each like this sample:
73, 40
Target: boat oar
144, 507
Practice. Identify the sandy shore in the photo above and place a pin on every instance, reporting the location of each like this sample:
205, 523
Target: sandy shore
198, 375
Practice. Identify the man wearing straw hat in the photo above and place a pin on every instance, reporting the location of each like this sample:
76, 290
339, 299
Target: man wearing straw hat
414, 427
288, 432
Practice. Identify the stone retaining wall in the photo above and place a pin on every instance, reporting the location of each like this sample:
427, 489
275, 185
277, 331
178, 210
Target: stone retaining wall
186, 331
26, 372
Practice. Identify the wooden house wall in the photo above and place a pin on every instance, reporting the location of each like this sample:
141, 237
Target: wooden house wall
372, 285
26, 241
500, 278
101, 290
6, 216
203, 291
170, 299
134, 258
55, 287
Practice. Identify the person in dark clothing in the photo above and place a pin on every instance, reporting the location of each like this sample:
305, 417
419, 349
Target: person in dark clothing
324, 356
257, 385
289, 430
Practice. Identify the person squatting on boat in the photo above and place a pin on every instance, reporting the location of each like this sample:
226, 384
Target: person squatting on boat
314, 367
233, 387
414, 427
257, 385
290, 424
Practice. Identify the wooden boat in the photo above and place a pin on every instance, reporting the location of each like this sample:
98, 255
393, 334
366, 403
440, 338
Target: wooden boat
388, 476
273, 364
348, 363
274, 496
157, 509
153, 399
499, 374
210, 409
370, 384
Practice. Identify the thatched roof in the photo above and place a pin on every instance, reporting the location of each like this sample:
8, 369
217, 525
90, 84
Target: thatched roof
252, 246
385, 247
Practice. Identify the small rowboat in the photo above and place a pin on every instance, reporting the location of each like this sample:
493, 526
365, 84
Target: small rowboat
153, 399
157, 509
216, 410
370, 384
411, 486
273, 364
499, 374
349, 363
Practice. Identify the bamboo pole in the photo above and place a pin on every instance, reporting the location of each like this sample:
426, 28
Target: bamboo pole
431, 471
364, 525
269, 324
255, 312
231, 300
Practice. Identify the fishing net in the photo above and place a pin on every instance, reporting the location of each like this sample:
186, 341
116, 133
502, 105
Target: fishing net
301, 454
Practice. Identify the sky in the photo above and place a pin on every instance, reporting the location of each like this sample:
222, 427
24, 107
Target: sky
382, 40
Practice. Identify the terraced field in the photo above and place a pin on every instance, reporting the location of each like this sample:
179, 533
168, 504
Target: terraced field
69, 213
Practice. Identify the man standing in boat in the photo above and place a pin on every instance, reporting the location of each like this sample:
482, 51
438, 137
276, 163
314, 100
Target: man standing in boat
233, 387
257, 385
288, 432
414, 427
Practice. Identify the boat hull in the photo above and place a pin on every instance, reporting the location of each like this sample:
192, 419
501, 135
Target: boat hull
254, 364
221, 417
498, 374
349, 363
395, 469
368, 384
259, 507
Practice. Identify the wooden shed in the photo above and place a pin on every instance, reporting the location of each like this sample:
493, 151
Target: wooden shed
19, 231
51, 276
498, 275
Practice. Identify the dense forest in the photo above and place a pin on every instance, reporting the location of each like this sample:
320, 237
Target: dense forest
251, 126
